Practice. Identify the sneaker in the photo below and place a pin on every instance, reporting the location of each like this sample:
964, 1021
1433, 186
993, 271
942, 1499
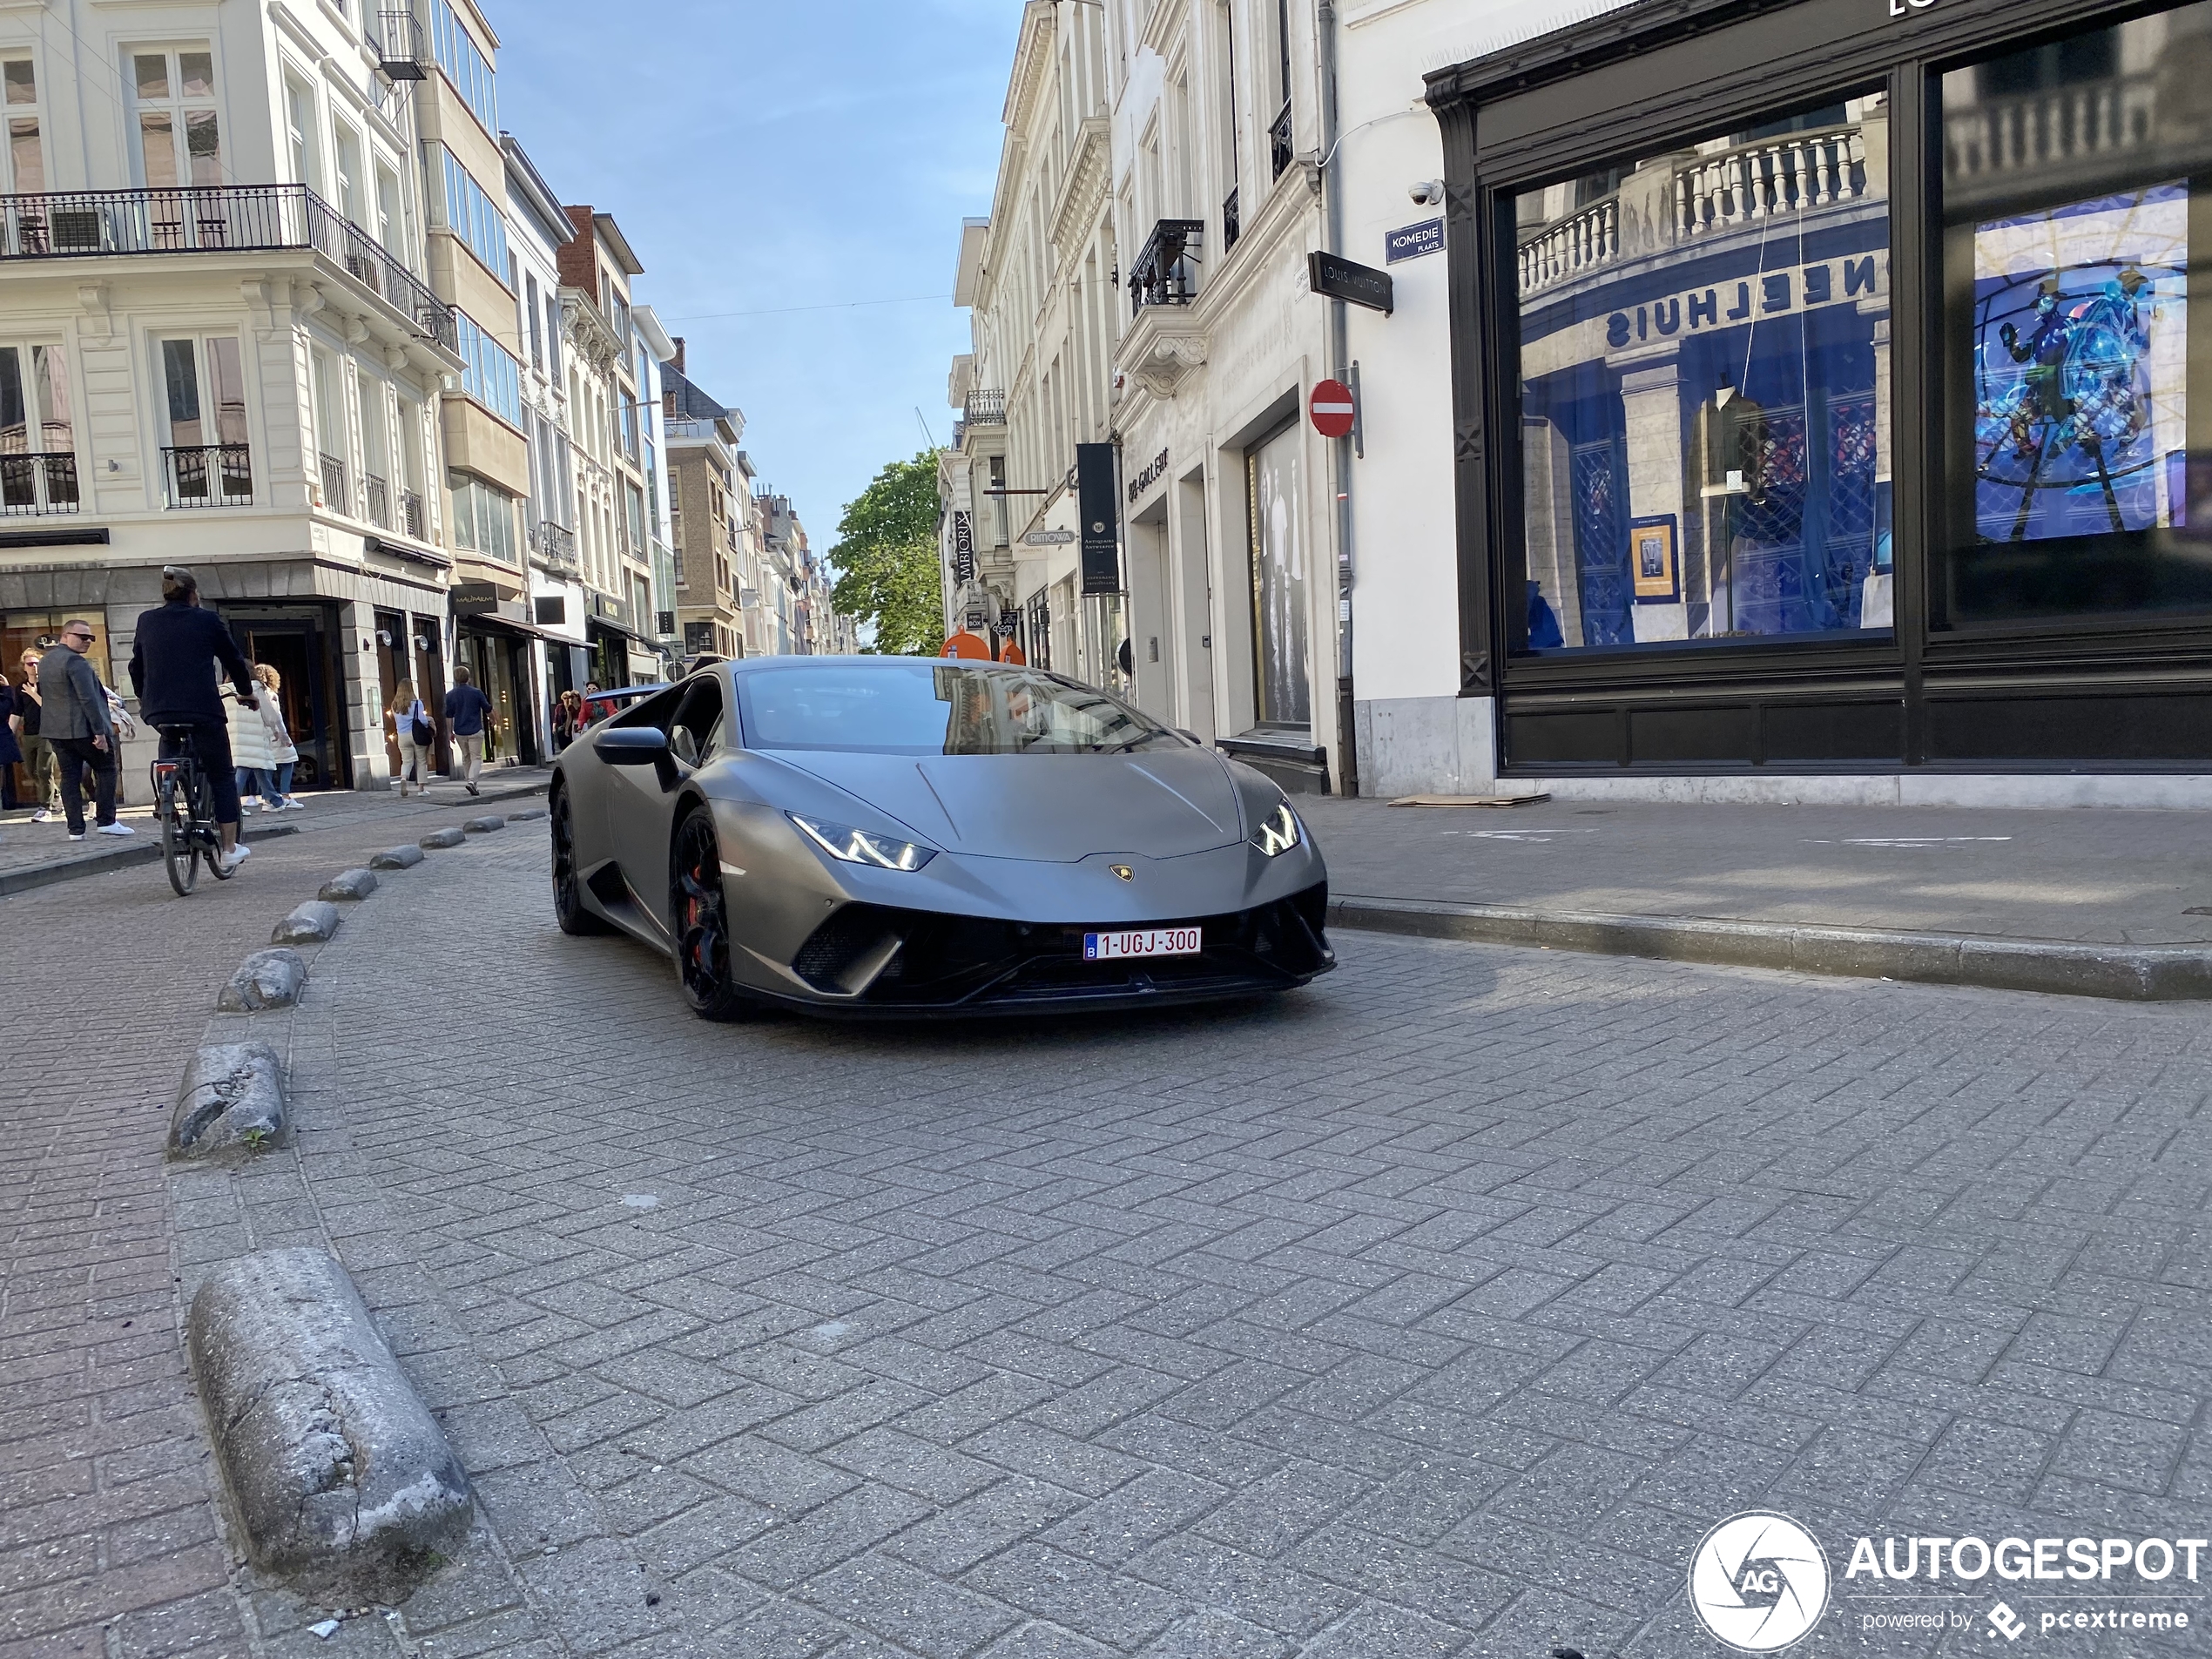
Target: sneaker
472, 789
291, 805
42, 816
237, 856
115, 829
76, 835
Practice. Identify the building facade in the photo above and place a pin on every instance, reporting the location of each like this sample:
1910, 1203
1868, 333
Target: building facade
711, 495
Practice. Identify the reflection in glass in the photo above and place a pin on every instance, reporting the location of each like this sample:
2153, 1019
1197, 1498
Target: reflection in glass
2077, 468
1279, 616
1704, 383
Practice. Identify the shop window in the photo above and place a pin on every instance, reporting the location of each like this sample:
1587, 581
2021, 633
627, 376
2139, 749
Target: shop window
1704, 382
2078, 453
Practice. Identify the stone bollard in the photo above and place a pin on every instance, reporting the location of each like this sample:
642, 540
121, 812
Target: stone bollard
308, 923
396, 858
338, 1473
267, 979
350, 884
231, 1097
526, 815
484, 826
442, 837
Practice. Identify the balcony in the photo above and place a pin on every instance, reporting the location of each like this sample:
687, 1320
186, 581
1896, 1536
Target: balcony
376, 496
1278, 141
335, 496
1232, 224
38, 483
555, 546
208, 474
1163, 272
983, 409
414, 522
401, 50
218, 218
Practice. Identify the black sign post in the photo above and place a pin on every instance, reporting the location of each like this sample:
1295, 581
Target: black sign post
1101, 528
1340, 279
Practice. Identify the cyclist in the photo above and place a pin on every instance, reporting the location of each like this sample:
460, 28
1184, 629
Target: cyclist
172, 661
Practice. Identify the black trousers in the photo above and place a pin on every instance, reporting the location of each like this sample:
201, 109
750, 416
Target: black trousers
211, 742
76, 754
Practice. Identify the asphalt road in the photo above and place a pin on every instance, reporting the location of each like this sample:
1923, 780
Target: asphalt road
1439, 1308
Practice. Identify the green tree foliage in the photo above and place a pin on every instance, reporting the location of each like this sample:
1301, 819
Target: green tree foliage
887, 559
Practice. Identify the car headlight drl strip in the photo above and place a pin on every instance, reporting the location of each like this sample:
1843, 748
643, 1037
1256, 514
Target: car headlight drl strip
1279, 833
849, 846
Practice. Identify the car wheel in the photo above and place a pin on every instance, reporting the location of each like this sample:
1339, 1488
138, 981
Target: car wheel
568, 890
703, 922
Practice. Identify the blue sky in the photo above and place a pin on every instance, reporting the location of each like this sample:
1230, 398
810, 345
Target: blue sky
760, 156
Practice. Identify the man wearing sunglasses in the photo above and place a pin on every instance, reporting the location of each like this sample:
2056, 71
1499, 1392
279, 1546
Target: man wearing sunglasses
73, 719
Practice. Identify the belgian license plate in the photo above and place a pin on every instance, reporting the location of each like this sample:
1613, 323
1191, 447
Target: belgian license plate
1147, 941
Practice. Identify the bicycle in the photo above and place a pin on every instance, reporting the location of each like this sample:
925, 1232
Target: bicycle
185, 802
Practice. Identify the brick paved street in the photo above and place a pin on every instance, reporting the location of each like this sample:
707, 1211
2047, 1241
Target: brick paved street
1438, 1309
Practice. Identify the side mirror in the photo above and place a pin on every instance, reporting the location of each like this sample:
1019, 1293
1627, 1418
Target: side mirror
631, 746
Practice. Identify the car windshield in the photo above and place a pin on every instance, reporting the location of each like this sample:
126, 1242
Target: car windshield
926, 709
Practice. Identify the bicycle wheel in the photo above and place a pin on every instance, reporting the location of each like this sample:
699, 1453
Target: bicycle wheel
179, 855
204, 830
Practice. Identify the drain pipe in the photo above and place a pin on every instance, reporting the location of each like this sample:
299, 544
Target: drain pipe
1340, 355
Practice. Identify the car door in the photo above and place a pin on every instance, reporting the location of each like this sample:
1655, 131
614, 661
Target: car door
643, 824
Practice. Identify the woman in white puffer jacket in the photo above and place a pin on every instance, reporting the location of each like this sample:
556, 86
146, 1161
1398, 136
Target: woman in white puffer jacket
253, 751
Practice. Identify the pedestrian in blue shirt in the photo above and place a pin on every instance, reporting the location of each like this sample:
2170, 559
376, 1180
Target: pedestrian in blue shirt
467, 708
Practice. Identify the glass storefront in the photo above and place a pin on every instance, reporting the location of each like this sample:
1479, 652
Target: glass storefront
1705, 379
1278, 559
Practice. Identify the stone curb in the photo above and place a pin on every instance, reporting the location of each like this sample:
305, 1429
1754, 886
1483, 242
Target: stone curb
2060, 967
526, 816
485, 825
348, 884
336, 1469
447, 837
267, 979
145, 850
231, 1098
310, 922
396, 858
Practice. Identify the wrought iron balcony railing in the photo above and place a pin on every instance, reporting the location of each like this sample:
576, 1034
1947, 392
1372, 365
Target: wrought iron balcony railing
1163, 272
335, 496
38, 483
983, 409
401, 50
209, 475
226, 218
1232, 224
377, 497
1278, 141
555, 545
413, 522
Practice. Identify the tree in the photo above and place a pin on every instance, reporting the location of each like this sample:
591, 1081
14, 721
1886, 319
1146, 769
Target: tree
887, 559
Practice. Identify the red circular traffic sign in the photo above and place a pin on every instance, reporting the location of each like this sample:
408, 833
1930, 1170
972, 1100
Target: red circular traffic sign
1331, 408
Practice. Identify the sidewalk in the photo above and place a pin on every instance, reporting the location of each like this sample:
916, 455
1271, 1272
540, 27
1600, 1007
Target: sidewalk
2089, 901
32, 855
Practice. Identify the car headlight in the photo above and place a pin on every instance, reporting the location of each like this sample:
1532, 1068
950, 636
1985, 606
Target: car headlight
1280, 833
849, 846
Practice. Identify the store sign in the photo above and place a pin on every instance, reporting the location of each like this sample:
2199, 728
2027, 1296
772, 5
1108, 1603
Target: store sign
1048, 538
552, 610
1101, 531
1903, 8
1342, 279
473, 598
1155, 469
963, 547
1755, 297
1428, 237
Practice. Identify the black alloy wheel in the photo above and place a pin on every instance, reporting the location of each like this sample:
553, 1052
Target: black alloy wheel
568, 891
703, 922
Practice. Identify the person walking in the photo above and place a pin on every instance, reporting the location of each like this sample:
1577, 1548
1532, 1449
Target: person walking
467, 708
10, 747
411, 729
281, 744
73, 719
38, 754
252, 756
172, 663
567, 720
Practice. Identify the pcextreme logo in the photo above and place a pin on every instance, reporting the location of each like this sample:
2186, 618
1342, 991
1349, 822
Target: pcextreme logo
1758, 1582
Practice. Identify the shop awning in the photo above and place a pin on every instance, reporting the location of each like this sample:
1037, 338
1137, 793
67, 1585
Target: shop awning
492, 622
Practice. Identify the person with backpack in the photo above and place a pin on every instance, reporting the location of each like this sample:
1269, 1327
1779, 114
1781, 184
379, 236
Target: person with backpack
412, 730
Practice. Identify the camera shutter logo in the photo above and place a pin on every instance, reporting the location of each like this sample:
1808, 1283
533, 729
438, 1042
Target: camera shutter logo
1758, 1582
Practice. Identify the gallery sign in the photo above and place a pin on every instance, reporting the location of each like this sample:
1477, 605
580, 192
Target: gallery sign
1154, 469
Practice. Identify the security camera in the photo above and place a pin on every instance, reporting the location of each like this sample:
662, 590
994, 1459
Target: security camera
1427, 192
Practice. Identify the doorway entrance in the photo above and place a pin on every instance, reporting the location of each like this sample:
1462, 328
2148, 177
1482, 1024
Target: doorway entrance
299, 642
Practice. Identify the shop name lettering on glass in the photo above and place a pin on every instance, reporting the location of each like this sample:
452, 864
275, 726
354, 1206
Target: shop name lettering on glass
1774, 294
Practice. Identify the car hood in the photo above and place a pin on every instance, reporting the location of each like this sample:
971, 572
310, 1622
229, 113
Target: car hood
1062, 808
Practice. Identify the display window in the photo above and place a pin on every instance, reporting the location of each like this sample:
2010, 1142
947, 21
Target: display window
1704, 380
2079, 464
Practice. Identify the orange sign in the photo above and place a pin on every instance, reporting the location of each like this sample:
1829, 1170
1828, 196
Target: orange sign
964, 643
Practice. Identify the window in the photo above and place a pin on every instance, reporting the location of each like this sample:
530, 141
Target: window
2078, 454
37, 439
492, 376
464, 64
634, 504
537, 327
300, 132
472, 215
205, 459
179, 140
346, 148
26, 158
389, 229
483, 518
1704, 345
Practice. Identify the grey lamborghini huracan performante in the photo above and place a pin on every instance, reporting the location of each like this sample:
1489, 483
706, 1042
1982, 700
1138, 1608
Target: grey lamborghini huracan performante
902, 835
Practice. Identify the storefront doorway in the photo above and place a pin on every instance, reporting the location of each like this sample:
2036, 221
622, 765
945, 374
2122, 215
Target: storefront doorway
1280, 624
499, 665
299, 644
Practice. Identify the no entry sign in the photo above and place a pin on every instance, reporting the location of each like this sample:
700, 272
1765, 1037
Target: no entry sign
1331, 408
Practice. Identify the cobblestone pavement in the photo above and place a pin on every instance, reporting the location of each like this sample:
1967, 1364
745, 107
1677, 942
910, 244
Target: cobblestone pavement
109, 1543
1438, 1309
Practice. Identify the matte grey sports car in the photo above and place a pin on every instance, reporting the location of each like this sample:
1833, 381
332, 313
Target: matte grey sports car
906, 835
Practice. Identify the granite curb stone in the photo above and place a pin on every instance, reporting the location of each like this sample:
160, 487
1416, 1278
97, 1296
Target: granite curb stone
267, 979
485, 825
309, 923
338, 1472
526, 815
231, 1097
396, 858
448, 837
2130, 972
349, 884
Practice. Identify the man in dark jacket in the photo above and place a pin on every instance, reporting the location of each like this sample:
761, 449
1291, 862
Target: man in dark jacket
73, 719
172, 669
